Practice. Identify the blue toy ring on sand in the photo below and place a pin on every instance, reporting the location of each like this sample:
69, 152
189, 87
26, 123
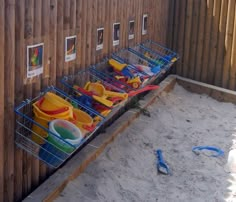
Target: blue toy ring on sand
218, 151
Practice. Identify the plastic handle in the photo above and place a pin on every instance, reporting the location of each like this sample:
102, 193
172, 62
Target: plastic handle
218, 151
89, 128
146, 88
159, 156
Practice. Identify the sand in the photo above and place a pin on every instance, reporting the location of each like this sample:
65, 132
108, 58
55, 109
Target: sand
126, 171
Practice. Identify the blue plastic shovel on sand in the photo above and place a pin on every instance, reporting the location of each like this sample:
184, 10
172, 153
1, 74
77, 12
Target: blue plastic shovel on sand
161, 165
218, 152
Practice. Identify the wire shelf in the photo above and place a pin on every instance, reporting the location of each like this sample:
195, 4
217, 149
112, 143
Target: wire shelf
137, 61
157, 53
126, 83
43, 143
110, 91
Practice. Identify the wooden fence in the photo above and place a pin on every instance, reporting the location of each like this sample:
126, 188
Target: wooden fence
204, 34
28, 22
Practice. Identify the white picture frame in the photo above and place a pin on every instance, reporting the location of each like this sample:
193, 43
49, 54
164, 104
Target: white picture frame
35, 56
70, 48
116, 34
145, 24
100, 38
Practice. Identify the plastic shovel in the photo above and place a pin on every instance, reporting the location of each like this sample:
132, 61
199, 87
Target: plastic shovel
141, 90
94, 96
161, 165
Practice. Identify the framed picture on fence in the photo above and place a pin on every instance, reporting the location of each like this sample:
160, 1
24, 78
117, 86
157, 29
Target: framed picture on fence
116, 34
34, 60
100, 38
131, 29
144, 24
70, 48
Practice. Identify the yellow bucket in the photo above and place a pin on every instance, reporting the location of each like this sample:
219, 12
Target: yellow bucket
54, 103
53, 112
83, 120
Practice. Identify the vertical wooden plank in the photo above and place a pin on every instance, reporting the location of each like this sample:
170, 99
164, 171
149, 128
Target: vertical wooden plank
9, 95
19, 86
45, 38
103, 24
200, 40
171, 22
88, 20
2, 146
93, 19
72, 31
29, 27
232, 64
213, 41
36, 85
233, 58
187, 48
66, 32
60, 40
108, 28
206, 50
193, 40
228, 43
84, 34
79, 11
181, 36
53, 40
221, 44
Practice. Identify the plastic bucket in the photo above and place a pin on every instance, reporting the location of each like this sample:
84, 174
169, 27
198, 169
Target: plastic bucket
51, 102
82, 120
43, 119
67, 131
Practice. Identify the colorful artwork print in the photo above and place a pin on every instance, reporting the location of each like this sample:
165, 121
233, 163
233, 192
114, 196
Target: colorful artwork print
34, 60
131, 29
144, 26
70, 48
116, 34
100, 34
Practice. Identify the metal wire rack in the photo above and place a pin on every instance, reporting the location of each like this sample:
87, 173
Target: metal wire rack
104, 104
123, 82
43, 143
137, 61
157, 53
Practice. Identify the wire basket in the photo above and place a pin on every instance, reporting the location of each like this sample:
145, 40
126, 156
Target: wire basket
42, 143
157, 53
95, 90
137, 61
137, 79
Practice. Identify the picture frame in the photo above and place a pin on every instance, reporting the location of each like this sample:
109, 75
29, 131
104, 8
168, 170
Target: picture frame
70, 48
131, 29
116, 34
145, 24
34, 62
100, 38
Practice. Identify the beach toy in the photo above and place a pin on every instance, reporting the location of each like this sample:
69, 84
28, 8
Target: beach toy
83, 120
218, 152
52, 103
162, 167
47, 115
67, 131
146, 88
98, 92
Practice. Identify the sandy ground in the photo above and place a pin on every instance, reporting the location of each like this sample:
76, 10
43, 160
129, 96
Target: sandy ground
126, 171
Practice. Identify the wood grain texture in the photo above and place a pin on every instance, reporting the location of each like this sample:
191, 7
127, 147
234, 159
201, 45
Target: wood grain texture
2, 146
206, 43
9, 95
